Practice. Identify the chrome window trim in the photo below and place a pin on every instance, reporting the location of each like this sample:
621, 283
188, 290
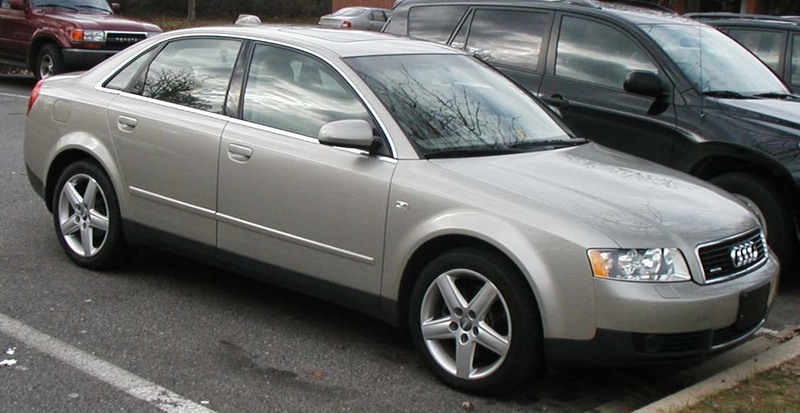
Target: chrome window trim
304, 138
392, 147
758, 264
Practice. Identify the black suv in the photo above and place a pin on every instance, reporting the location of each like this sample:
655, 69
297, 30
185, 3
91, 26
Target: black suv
644, 81
774, 39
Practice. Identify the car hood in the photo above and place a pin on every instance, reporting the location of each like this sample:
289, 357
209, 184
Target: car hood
767, 112
102, 21
636, 203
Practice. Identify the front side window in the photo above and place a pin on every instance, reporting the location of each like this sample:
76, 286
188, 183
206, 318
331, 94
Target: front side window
193, 73
767, 45
714, 63
596, 53
518, 44
295, 92
450, 105
434, 23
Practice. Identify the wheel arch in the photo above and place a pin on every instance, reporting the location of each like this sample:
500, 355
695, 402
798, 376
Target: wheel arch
38, 42
714, 158
427, 252
537, 255
77, 147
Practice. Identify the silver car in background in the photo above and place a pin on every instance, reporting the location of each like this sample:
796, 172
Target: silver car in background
361, 18
403, 179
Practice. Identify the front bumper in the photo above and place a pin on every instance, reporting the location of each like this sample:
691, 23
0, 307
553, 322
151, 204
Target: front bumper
81, 59
639, 323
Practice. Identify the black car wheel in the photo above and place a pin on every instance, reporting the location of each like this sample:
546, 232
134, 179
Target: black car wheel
49, 62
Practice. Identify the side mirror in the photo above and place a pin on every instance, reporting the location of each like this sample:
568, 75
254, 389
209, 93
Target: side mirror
349, 133
115, 7
645, 83
17, 5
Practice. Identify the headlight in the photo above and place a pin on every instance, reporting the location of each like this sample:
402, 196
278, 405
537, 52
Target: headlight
80, 35
650, 265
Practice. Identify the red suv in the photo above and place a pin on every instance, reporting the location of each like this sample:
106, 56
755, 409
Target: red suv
54, 36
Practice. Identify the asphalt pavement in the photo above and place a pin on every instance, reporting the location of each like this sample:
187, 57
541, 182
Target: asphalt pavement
171, 334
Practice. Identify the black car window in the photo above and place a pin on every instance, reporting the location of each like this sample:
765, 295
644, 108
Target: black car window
599, 54
123, 78
767, 45
434, 23
518, 44
794, 77
377, 15
295, 92
193, 73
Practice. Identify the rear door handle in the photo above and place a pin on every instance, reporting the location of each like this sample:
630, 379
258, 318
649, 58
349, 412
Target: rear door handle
126, 124
555, 100
239, 153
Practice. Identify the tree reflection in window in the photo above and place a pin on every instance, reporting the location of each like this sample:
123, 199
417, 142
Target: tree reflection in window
194, 73
450, 102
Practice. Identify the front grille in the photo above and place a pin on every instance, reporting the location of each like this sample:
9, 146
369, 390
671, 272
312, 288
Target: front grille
121, 40
733, 256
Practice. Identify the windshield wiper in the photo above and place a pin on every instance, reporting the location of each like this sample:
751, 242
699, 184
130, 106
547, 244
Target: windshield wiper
89, 6
550, 144
726, 94
63, 6
777, 95
470, 152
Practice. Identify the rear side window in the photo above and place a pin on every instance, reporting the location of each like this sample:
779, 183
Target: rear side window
122, 80
767, 45
592, 52
507, 37
434, 23
295, 92
193, 73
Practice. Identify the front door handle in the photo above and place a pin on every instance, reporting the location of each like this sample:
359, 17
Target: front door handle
556, 100
126, 124
239, 153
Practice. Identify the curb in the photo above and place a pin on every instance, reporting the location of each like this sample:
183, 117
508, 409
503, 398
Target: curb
726, 379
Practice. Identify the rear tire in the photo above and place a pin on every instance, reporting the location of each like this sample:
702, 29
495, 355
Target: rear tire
475, 321
49, 62
87, 219
766, 200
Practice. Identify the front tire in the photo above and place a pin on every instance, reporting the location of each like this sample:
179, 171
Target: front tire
475, 321
49, 62
86, 217
769, 205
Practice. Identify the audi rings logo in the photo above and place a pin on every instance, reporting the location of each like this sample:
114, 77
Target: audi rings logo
744, 254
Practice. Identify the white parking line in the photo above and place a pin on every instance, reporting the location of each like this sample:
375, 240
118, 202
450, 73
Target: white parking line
13, 95
128, 382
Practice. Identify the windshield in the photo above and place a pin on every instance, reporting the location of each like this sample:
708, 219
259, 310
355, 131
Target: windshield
453, 105
713, 62
74, 4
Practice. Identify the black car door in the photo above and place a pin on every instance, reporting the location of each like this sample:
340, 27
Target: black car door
587, 63
512, 40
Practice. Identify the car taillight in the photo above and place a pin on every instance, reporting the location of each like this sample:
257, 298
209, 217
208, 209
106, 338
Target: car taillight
346, 24
34, 95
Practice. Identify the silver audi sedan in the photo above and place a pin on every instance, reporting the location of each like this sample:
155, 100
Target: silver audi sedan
403, 179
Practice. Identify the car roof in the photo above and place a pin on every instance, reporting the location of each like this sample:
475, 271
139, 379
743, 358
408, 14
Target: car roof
749, 20
344, 43
634, 11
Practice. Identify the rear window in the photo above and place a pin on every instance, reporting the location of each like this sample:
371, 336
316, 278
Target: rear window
434, 23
